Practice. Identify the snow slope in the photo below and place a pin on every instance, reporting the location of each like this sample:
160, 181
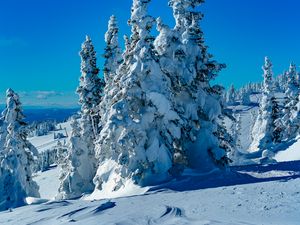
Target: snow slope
292, 153
247, 195
248, 113
46, 142
48, 182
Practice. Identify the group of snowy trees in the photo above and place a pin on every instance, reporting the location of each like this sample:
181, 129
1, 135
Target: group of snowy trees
277, 120
242, 95
154, 113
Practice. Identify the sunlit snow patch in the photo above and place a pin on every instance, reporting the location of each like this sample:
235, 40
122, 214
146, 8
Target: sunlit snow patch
35, 201
290, 154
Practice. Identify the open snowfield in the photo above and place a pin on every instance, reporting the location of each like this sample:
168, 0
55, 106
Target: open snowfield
46, 142
249, 195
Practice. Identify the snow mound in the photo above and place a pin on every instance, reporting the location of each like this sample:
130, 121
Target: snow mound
110, 176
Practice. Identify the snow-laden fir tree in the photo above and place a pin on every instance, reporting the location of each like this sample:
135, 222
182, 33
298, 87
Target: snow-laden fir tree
7, 116
263, 129
292, 85
289, 117
236, 129
282, 81
18, 157
276, 117
113, 59
245, 96
136, 142
230, 96
184, 59
81, 164
113, 54
76, 172
90, 90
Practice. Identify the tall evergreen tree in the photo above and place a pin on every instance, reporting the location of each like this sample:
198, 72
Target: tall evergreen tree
289, 117
81, 163
185, 60
136, 142
236, 129
112, 55
76, 176
15, 170
263, 129
113, 60
245, 96
276, 117
90, 90
231, 95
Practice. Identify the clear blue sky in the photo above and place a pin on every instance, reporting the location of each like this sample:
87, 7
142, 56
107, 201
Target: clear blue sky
40, 40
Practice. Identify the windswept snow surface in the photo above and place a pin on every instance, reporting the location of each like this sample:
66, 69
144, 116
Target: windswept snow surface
251, 195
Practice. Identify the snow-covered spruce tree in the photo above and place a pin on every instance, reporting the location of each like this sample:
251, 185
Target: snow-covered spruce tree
276, 117
113, 59
245, 96
230, 96
76, 172
112, 53
236, 129
90, 90
137, 141
289, 118
226, 141
7, 116
15, 169
184, 59
292, 85
81, 164
263, 129
296, 119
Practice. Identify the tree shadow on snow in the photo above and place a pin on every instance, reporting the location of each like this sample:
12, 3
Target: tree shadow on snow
236, 176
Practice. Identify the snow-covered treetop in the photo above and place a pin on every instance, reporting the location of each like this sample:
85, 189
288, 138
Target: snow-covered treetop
182, 9
88, 58
140, 21
292, 86
91, 86
13, 112
268, 76
292, 69
112, 53
111, 36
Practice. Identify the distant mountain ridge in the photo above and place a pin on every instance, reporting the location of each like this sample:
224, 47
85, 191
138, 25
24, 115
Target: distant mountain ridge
39, 114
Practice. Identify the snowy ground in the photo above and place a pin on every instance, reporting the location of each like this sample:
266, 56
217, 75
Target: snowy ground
247, 195
292, 153
48, 182
46, 142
